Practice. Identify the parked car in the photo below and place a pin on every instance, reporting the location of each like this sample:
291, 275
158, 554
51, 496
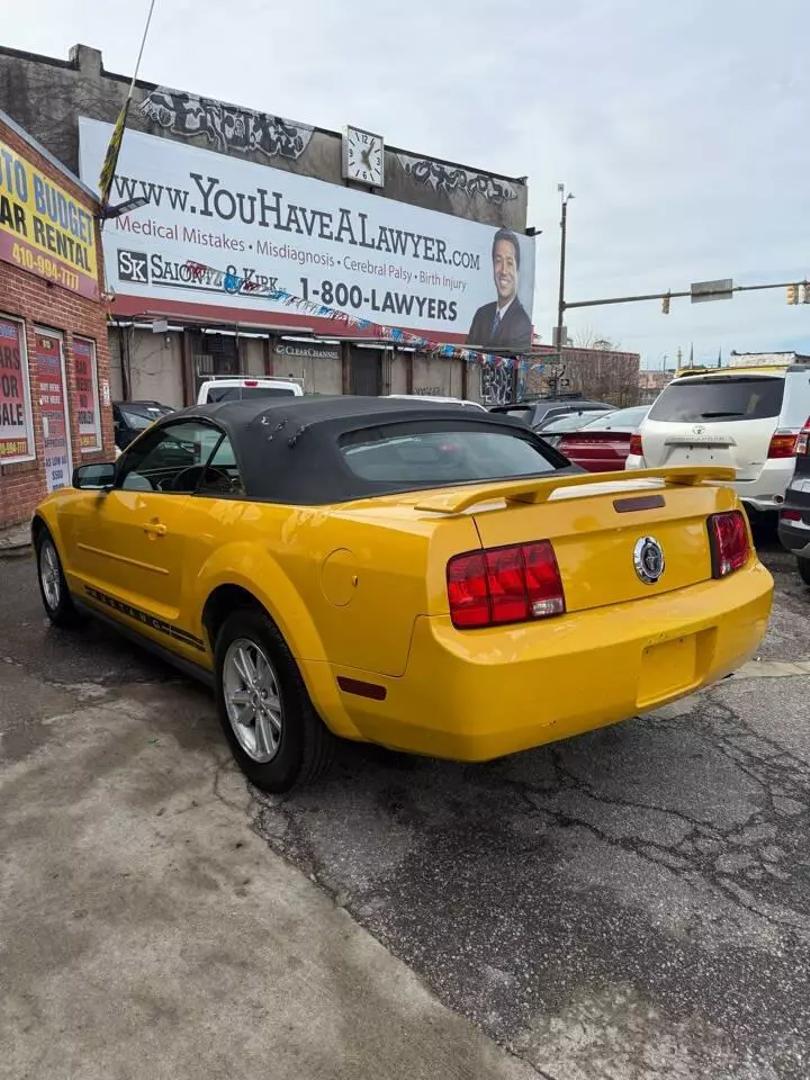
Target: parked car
403, 574
553, 427
130, 418
439, 400
747, 418
533, 413
237, 388
794, 517
602, 445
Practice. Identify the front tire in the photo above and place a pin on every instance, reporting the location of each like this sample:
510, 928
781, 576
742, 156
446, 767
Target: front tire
56, 598
275, 735
803, 566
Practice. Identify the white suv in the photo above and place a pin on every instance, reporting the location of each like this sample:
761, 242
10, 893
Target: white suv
747, 418
235, 388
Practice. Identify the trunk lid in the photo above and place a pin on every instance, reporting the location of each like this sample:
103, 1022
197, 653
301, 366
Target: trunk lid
596, 451
594, 527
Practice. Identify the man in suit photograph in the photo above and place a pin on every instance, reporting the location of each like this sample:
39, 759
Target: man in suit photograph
503, 323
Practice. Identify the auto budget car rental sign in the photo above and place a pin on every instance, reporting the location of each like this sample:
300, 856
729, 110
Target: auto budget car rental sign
43, 229
375, 258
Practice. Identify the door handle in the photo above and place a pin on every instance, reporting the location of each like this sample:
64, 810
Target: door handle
155, 528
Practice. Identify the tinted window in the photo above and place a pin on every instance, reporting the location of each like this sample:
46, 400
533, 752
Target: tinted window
566, 422
239, 393
726, 398
139, 419
421, 455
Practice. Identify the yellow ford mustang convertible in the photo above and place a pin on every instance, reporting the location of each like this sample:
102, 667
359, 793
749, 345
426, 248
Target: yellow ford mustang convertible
434, 579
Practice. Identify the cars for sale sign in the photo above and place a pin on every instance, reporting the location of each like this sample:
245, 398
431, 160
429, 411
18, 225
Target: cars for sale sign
16, 425
84, 366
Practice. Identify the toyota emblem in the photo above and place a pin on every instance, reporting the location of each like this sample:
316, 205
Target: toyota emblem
648, 559
698, 429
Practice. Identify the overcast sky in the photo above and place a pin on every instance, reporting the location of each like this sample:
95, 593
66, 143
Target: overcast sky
682, 128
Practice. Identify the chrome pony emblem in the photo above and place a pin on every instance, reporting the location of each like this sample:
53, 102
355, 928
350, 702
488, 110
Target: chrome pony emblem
648, 559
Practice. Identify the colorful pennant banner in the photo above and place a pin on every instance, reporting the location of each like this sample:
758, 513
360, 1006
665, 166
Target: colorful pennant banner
233, 283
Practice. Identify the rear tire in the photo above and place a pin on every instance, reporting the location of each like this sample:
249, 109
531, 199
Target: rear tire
273, 731
53, 589
803, 566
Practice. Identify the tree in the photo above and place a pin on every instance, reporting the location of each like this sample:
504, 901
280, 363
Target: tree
589, 338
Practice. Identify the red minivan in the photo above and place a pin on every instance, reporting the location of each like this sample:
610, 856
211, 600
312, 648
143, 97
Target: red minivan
604, 443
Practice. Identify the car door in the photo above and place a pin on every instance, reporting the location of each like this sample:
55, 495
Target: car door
131, 542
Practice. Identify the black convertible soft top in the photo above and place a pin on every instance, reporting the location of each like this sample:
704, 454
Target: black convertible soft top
288, 450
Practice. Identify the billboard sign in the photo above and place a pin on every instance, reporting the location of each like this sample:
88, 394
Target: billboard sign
375, 258
43, 229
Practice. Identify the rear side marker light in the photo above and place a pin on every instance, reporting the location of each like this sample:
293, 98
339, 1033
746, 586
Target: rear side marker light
362, 688
728, 539
635, 446
502, 585
783, 444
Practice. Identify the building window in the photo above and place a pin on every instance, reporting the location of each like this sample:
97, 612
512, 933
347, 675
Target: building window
17, 441
85, 368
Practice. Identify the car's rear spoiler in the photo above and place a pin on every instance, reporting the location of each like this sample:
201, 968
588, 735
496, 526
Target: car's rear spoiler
540, 488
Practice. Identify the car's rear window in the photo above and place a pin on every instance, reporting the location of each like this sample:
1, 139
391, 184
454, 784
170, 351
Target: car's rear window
726, 398
239, 393
422, 455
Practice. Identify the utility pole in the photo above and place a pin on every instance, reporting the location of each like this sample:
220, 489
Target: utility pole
561, 300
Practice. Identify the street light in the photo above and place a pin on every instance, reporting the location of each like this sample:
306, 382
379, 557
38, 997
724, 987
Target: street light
561, 301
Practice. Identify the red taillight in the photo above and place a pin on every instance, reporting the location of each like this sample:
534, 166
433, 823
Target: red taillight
803, 439
635, 445
251, 382
504, 585
783, 444
728, 535
790, 515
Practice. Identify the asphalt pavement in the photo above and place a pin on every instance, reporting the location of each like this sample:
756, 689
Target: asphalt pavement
632, 903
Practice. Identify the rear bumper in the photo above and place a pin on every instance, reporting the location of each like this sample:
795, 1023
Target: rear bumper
766, 493
477, 695
795, 535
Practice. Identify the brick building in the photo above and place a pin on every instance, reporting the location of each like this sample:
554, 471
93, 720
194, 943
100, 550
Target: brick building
54, 359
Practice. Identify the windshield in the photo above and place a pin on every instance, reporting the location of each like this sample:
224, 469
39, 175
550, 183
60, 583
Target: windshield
239, 393
725, 398
621, 420
141, 417
424, 455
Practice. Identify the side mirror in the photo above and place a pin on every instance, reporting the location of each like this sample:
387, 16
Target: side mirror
94, 477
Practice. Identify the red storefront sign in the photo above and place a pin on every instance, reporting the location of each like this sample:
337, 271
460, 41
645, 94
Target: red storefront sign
16, 424
86, 372
53, 408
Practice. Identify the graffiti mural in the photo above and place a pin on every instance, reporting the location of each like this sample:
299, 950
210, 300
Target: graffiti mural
452, 178
496, 384
226, 127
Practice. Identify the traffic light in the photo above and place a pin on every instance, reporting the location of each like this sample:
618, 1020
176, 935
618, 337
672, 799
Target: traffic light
665, 304
793, 294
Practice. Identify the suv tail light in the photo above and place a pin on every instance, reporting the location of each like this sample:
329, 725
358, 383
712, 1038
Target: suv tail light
803, 439
503, 585
728, 538
783, 444
635, 445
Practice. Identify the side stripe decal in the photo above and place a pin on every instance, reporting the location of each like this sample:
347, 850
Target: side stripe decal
144, 617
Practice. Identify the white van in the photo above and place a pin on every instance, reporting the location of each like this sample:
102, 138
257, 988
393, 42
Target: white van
235, 388
747, 418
